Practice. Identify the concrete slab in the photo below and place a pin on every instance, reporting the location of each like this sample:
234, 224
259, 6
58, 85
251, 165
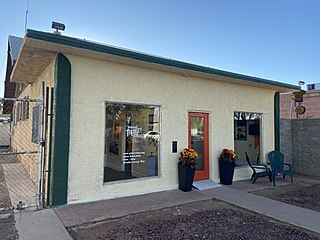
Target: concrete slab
43, 224
261, 183
20, 186
284, 212
205, 184
82, 213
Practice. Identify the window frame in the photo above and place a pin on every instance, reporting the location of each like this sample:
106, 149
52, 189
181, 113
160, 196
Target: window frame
159, 168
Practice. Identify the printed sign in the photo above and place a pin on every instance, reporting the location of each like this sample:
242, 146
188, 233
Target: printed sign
134, 131
131, 157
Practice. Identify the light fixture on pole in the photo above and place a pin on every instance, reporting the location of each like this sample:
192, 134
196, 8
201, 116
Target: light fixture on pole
58, 26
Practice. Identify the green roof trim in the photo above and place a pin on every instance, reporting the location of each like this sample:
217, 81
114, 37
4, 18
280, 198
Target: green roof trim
88, 45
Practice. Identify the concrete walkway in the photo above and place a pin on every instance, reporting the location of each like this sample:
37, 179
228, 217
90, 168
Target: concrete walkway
19, 184
297, 216
45, 224
79, 214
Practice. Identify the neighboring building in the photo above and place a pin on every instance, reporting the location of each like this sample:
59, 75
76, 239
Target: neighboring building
300, 133
118, 114
311, 101
14, 44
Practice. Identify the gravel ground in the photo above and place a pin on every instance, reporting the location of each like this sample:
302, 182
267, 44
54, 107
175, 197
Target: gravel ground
7, 227
211, 219
303, 193
7, 222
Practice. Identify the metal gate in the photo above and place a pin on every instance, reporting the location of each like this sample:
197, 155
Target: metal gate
21, 147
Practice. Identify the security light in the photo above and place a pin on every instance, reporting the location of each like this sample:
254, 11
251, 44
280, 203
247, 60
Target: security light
58, 26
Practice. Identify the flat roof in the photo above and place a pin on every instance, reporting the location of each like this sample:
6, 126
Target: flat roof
42, 44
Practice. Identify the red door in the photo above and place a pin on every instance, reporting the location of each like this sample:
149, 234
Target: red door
198, 138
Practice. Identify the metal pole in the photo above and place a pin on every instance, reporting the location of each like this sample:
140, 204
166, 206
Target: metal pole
17, 153
20, 99
41, 143
49, 144
44, 162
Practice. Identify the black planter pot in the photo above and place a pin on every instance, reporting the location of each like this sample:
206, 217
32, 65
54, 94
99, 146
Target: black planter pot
226, 172
186, 175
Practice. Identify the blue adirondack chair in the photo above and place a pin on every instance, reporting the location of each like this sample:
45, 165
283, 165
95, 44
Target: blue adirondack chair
278, 166
263, 170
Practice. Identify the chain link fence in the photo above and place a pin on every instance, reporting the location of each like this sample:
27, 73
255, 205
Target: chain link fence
20, 153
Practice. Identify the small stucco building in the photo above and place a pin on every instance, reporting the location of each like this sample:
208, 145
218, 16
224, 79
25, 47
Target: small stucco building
117, 119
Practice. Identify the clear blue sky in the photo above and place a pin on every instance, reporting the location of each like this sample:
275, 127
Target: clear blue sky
272, 39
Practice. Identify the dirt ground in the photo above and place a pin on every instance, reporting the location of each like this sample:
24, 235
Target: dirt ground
211, 219
305, 193
7, 222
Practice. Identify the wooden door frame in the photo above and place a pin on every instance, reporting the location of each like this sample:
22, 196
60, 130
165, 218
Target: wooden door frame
201, 175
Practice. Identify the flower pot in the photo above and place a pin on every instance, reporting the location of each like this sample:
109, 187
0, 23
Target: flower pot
186, 174
226, 171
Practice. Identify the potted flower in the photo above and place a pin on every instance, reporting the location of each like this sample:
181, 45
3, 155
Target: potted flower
186, 168
227, 162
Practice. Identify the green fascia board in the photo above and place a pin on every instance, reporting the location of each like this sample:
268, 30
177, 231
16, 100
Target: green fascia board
88, 45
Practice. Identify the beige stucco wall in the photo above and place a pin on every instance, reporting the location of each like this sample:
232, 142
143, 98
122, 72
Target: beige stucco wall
22, 134
94, 82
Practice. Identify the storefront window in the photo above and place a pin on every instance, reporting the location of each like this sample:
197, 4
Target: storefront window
132, 136
247, 138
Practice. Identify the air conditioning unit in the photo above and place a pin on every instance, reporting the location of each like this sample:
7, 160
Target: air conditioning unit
314, 86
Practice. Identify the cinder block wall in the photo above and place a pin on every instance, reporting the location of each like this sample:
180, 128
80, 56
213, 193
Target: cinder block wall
286, 139
304, 145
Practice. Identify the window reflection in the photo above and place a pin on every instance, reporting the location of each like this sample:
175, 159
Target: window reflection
132, 138
197, 140
247, 136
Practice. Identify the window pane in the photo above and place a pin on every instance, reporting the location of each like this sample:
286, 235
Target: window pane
131, 141
197, 140
247, 137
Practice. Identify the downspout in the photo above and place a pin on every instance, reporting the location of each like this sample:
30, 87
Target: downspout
277, 121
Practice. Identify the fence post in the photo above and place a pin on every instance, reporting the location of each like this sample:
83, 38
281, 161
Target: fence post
41, 145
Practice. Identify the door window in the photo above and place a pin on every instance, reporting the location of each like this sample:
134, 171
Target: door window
198, 140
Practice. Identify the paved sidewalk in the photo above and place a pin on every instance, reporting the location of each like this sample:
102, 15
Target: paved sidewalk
43, 224
19, 184
82, 213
